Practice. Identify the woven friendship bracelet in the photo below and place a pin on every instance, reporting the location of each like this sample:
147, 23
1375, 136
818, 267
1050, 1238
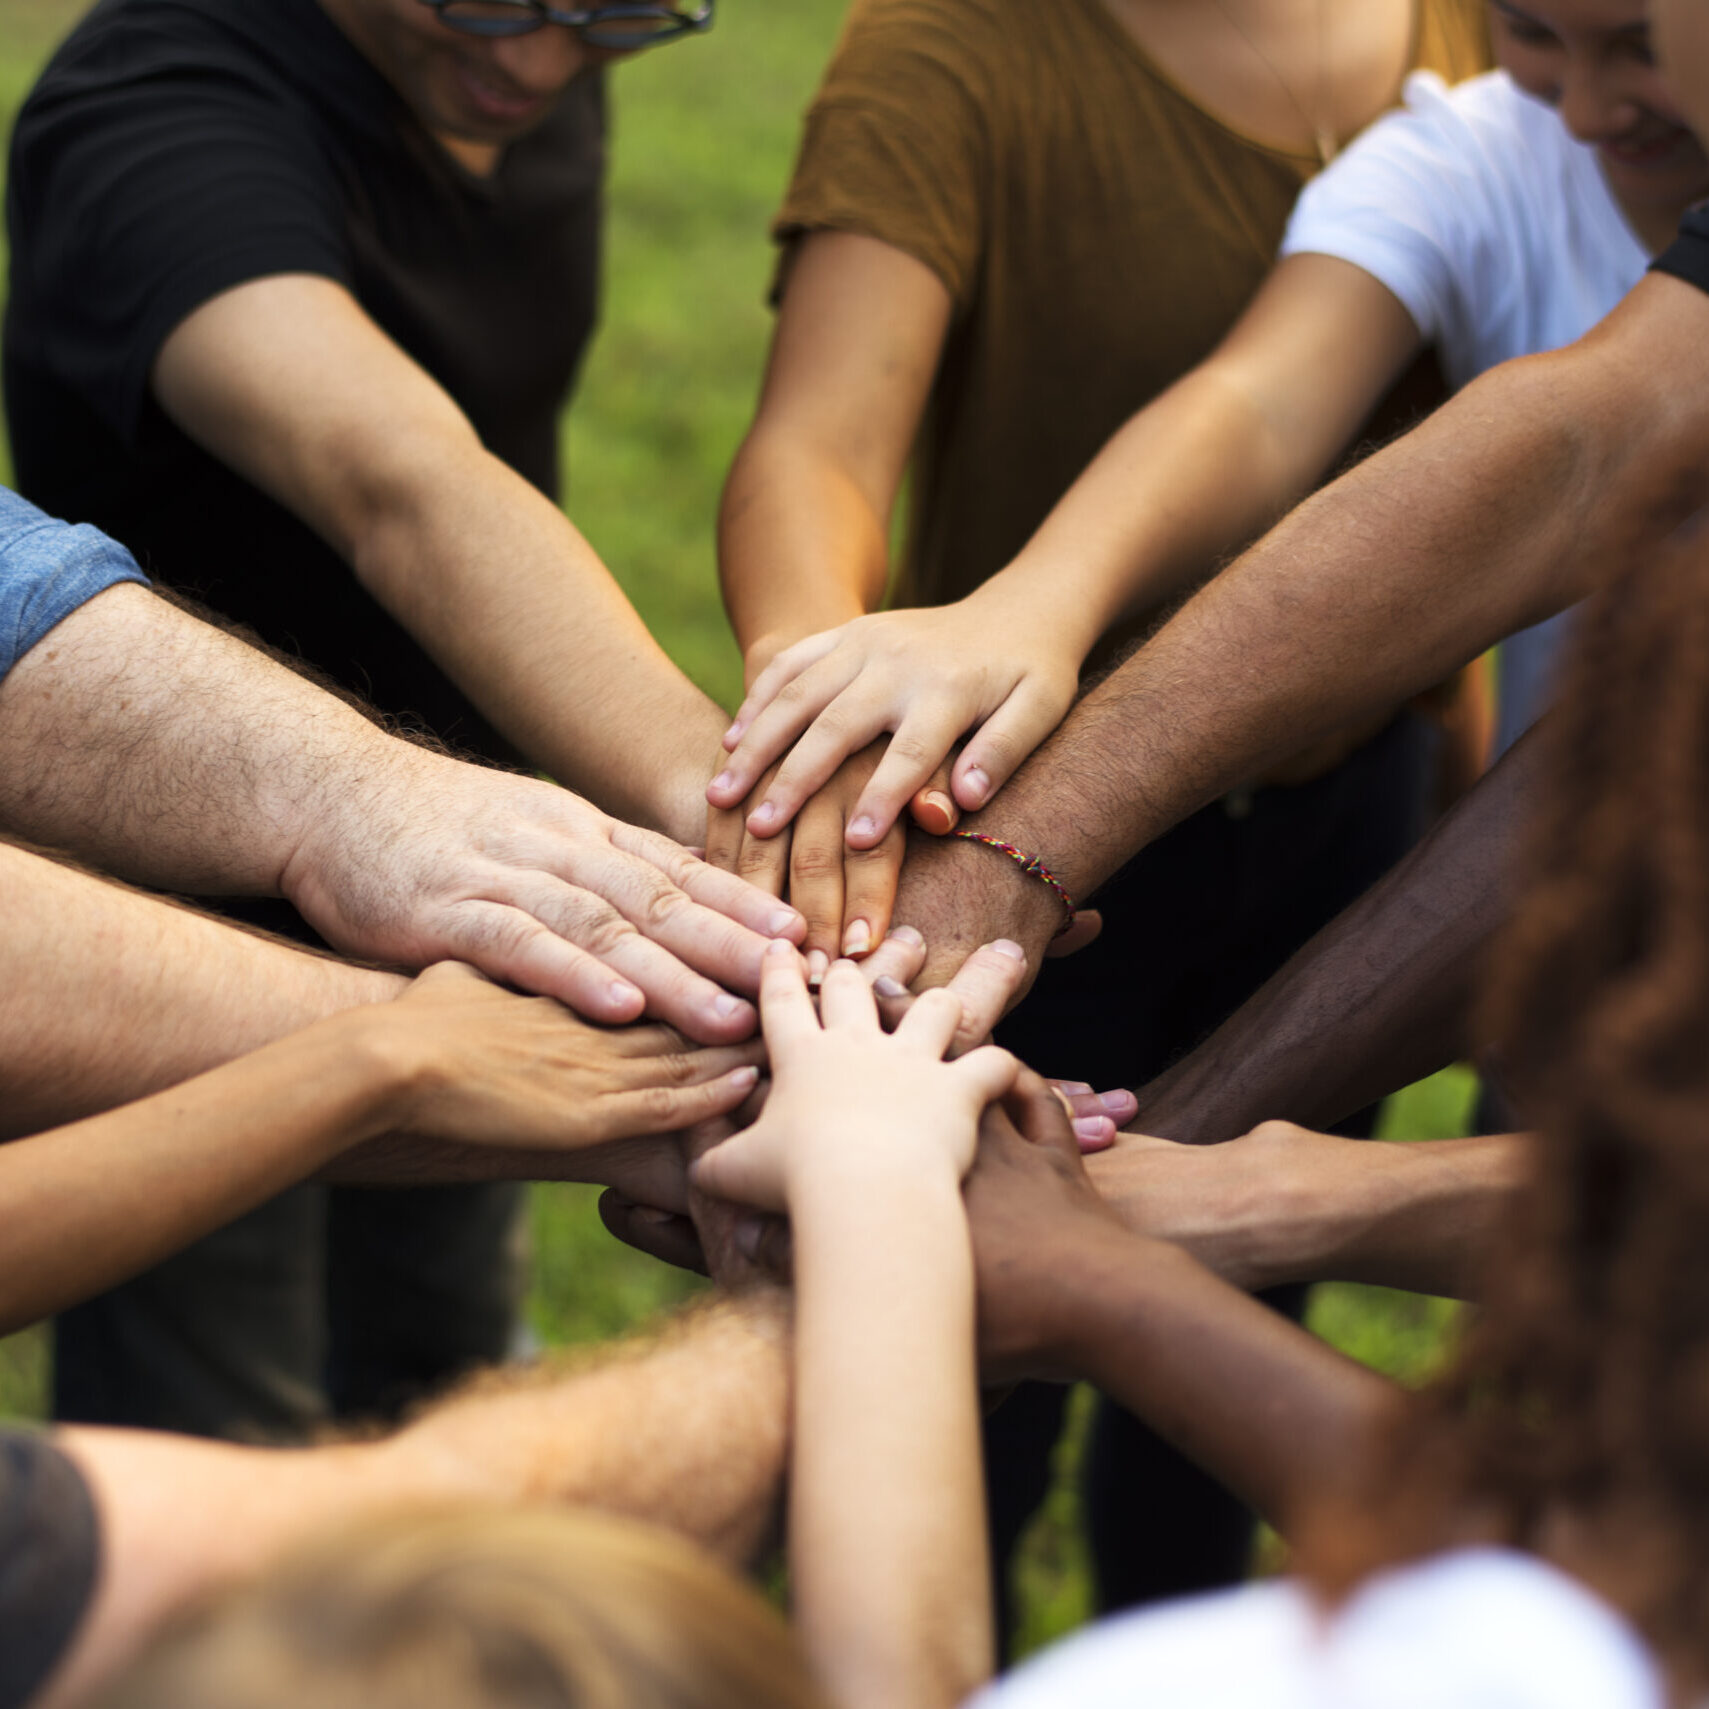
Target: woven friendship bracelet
1033, 867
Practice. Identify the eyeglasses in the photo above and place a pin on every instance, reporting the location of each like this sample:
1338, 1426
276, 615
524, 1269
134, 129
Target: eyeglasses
623, 27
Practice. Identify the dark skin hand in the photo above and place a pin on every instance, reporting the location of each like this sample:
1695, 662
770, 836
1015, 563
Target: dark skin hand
1066, 1290
1378, 999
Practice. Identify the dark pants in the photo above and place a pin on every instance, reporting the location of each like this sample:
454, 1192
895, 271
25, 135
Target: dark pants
1192, 926
324, 1303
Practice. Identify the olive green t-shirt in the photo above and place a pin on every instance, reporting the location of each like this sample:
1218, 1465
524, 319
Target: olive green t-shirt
1097, 229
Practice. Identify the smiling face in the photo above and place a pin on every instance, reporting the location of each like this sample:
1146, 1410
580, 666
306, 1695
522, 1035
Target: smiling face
1592, 60
483, 91
1681, 29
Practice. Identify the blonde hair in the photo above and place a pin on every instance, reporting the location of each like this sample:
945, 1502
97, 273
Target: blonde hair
481, 1608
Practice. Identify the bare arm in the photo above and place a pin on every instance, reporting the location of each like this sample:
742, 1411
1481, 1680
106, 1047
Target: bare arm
687, 1431
157, 746
1377, 1000
288, 381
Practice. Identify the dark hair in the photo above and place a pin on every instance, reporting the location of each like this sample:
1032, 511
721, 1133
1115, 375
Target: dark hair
1581, 1393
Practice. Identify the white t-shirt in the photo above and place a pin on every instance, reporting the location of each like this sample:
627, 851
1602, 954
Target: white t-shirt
1475, 206
1473, 1629
1499, 235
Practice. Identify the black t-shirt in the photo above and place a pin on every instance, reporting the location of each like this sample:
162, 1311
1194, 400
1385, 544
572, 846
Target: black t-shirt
1687, 257
175, 148
48, 1552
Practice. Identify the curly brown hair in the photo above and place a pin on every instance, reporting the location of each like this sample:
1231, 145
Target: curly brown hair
1579, 1402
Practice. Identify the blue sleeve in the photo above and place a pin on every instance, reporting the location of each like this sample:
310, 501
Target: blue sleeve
47, 570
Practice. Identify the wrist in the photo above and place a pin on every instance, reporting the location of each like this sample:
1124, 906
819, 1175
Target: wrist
1041, 602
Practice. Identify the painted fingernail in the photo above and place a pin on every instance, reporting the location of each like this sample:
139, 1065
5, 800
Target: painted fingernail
864, 826
762, 815
936, 798
1008, 947
1074, 1087
723, 780
1094, 1128
857, 940
885, 986
907, 935
1114, 1100
817, 963
978, 782
785, 919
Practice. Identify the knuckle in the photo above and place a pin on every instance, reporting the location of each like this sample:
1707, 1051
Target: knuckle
662, 905
815, 863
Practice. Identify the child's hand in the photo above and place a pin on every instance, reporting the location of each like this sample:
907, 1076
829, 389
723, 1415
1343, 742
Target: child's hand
846, 1094
983, 664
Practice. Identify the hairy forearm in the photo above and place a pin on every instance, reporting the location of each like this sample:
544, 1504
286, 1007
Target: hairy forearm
158, 747
1508, 504
513, 604
887, 1542
1378, 999
1266, 1408
801, 546
686, 1431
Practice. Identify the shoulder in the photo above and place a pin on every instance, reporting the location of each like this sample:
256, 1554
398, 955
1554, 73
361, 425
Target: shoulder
974, 46
1479, 1626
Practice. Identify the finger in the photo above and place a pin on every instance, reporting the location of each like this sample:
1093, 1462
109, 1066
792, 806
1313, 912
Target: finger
986, 983
897, 961
870, 879
514, 946
1084, 1103
846, 726
846, 1000
816, 872
667, 1109
1095, 1133
797, 705
933, 1020
990, 1071
1037, 1112
659, 1234
743, 901
736, 1172
786, 1011
1002, 742
724, 833
783, 669
1084, 929
766, 1243
912, 757
933, 808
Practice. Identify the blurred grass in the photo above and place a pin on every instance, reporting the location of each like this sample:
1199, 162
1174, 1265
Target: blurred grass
703, 138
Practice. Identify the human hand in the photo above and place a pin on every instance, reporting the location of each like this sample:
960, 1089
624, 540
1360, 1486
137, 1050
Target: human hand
438, 859
845, 1092
1029, 1202
985, 664
480, 1065
846, 894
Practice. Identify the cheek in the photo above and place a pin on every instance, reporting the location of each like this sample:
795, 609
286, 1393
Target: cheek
1535, 70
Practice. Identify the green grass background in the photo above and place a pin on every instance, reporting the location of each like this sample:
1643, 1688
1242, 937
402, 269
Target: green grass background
703, 138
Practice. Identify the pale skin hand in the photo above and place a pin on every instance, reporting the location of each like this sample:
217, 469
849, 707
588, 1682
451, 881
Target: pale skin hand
454, 1058
863, 1140
159, 747
687, 1431
287, 380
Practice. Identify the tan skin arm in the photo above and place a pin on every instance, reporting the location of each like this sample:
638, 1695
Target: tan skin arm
1194, 475
687, 1431
289, 381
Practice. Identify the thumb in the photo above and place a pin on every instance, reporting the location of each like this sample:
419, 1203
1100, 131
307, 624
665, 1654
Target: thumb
933, 808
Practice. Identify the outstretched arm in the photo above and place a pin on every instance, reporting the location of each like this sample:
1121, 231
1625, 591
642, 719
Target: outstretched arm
687, 1430
1511, 502
156, 746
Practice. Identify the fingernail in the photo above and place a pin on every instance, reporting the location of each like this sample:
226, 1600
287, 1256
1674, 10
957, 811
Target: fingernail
652, 1214
936, 798
906, 934
817, 962
762, 815
780, 947
622, 991
1113, 1100
727, 1007
723, 780
888, 987
1008, 947
1075, 1087
1094, 1127
784, 920
733, 735
743, 1078
864, 826
978, 781
747, 1235
857, 940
